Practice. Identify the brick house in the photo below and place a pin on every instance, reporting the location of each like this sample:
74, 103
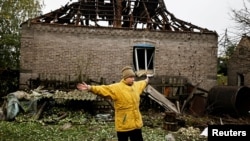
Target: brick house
91, 39
239, 64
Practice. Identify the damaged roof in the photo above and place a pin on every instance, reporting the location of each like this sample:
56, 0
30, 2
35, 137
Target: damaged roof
128, 14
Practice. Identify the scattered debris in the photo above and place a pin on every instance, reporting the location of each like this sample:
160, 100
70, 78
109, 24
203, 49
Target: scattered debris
169, 137
66, 126
159, 98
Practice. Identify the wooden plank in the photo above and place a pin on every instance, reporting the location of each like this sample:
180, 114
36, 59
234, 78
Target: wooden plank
161, 99
189, 97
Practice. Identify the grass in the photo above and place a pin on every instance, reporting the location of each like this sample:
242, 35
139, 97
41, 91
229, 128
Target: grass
94, 131
78, 126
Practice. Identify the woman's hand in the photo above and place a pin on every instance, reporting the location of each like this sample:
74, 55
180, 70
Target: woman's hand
83, 86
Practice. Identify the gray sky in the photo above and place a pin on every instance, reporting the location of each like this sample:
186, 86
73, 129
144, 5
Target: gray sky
211, 14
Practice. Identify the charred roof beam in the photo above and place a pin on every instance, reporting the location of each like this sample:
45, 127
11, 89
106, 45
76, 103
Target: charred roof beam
132, 14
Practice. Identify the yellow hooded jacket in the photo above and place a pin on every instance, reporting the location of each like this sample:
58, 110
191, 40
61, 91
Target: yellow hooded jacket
126, 103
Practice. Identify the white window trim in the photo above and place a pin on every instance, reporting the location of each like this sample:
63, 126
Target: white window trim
151, 72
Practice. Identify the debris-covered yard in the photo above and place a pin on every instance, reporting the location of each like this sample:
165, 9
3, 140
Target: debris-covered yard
61, 122
80, 126
43, 115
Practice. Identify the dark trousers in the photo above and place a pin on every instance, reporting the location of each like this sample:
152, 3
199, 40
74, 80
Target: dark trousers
134, 135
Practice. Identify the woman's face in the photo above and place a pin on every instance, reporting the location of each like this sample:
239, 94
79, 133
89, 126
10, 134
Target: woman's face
130, 80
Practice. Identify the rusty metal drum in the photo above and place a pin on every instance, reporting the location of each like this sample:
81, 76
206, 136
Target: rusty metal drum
231, 100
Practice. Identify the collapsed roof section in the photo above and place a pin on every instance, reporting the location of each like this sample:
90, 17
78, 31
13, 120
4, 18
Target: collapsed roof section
130, 14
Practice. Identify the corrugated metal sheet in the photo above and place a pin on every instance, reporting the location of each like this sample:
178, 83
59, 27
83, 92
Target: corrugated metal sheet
71, 95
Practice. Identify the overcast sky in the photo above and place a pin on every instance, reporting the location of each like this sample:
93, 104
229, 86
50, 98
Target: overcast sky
211, 14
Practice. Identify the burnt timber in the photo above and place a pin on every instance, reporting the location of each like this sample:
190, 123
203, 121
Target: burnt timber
128, 14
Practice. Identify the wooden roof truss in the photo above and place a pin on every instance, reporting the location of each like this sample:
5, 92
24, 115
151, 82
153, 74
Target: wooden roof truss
130, 14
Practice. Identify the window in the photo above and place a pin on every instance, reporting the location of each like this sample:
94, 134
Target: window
144, 58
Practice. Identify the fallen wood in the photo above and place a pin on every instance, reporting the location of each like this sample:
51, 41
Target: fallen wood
190, 96
38, 114
178, 106
62, 116
160, 99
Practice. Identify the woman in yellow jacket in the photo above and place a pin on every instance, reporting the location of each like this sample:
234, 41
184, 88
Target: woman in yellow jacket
126, 97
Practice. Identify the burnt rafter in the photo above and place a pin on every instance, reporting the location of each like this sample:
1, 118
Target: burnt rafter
129, 14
